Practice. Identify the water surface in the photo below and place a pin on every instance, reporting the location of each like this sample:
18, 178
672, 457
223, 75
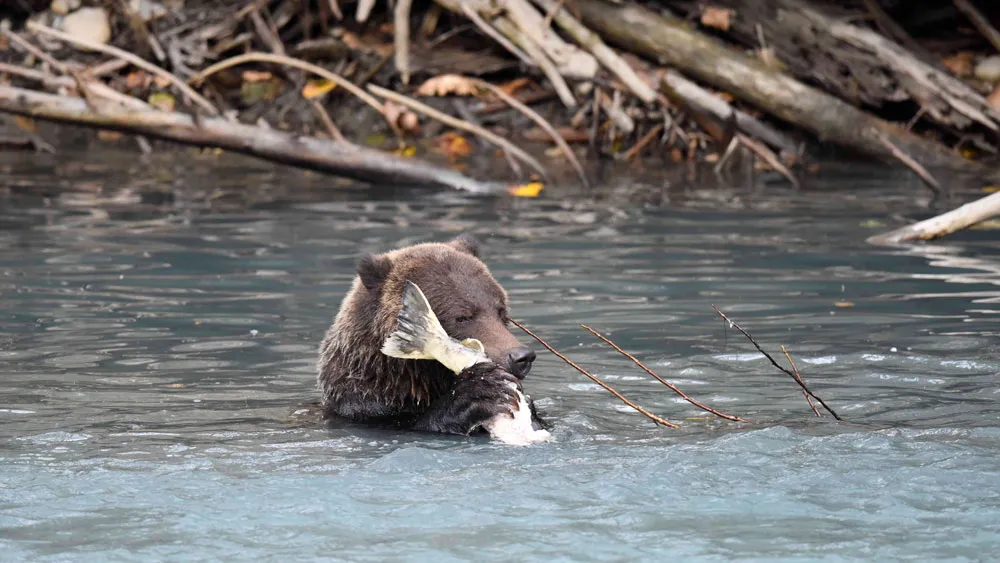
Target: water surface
151, 359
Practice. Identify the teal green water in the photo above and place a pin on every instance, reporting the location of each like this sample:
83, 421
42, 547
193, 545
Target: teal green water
150, 362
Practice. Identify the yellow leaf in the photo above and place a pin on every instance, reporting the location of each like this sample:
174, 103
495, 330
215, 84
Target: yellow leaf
448, 84
405, 151
162, 101
531, 189
317, 88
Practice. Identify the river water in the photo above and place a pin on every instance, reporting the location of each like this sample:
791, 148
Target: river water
151, 360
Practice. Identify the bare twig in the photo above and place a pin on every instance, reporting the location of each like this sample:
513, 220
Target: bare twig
295, 63
331, 127
545, 125
537, 54
488, 29
979, 20
671, 386
459, 124
768, 155
593, 43
137, 61
593, 378
27, 46
775, 363
913, 165
643, 143
401, 37
795, 371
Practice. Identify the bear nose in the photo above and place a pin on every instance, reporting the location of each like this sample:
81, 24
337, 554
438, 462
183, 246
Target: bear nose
519, 361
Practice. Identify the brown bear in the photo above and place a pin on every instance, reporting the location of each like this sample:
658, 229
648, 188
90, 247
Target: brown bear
360, 383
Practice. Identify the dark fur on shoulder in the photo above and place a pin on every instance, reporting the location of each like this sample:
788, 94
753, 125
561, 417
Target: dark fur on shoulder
360, 383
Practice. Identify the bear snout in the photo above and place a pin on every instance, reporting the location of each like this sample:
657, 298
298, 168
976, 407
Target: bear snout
519, 361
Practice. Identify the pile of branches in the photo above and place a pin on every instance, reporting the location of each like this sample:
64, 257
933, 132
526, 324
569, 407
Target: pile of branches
307, 83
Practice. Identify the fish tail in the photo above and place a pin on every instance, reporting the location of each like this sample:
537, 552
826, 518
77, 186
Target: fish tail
417, 329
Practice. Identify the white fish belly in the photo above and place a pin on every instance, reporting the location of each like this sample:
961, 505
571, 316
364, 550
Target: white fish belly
516, 431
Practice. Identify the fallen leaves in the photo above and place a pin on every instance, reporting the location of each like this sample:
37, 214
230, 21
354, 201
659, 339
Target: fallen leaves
531, 189
446, 84
163, 101
961, 63
994, 98
453, 145
716, 18
317, 88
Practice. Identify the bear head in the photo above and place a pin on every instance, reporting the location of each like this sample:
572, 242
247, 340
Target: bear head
466, 298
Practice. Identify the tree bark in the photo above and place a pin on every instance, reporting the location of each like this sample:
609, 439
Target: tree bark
332, 157
944, 224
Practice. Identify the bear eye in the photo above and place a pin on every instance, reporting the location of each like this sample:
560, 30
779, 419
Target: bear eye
463, 319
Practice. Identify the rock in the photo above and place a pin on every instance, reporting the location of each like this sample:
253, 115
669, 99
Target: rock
63, 7
148, 10
988, 69
88, 24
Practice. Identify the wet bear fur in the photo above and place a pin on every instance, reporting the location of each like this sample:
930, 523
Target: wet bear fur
360, 383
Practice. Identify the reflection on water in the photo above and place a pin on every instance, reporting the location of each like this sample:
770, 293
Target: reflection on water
151, 361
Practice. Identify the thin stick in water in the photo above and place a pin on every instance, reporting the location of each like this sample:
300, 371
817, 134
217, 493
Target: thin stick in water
798, 380
795, 370
606, 387
664, 381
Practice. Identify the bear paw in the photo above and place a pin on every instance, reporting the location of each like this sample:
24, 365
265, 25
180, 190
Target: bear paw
480, 393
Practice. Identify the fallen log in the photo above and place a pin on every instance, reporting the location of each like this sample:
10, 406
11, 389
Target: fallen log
333, 157
671, 41
855, 63
944, 224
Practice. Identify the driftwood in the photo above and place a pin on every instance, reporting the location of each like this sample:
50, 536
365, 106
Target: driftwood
672, 41
944, 224
855, 63
333, 157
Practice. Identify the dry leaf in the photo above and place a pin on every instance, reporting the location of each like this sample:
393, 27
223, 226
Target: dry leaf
406, 151
26, 124
531, 189
162, 101
161, 81
514, 85
448, 84
138, 80
718, 18
843, 304
994, 97
256, 76
453, 145
108, 136
317, 88
961, 63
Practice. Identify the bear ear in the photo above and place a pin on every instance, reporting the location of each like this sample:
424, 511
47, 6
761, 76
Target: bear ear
467, 243
373, 270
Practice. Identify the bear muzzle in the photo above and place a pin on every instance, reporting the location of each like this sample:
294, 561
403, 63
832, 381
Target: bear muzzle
519, 361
